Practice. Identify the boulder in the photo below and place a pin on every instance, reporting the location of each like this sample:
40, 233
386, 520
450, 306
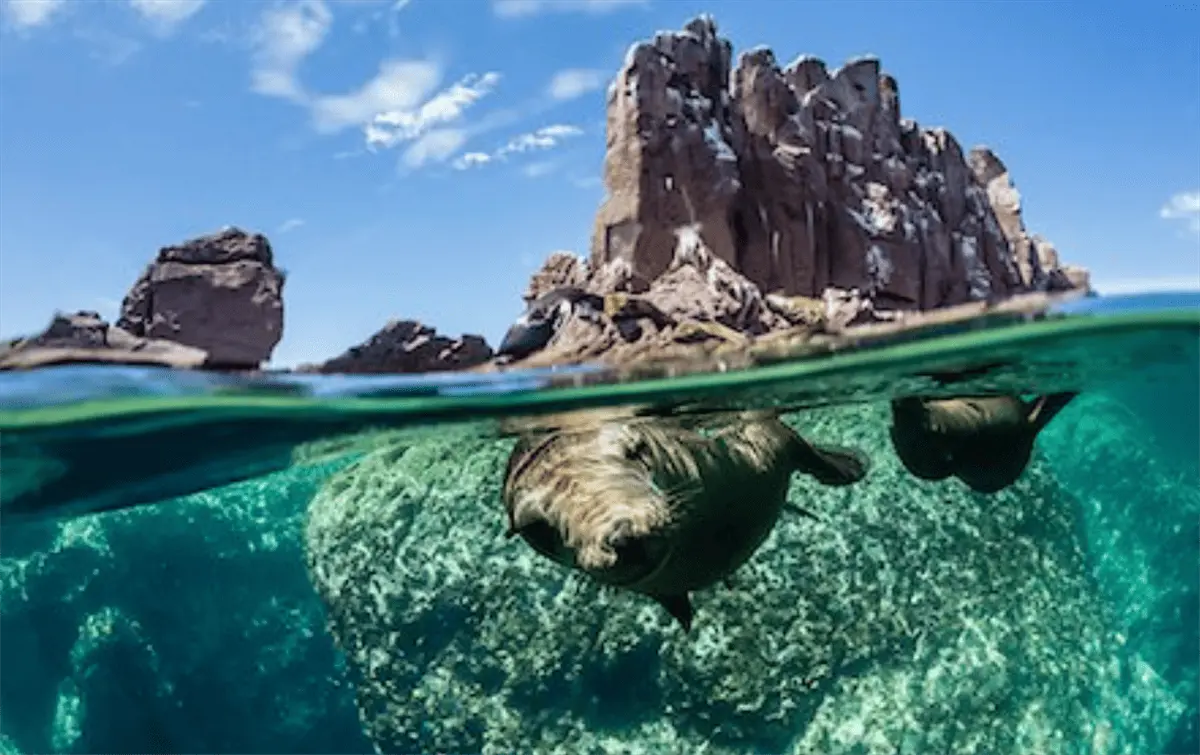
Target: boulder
221, 293
84, 337
913, 617
407, 346
799, 178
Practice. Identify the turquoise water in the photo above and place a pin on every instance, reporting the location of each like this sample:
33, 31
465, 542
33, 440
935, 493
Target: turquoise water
203, 563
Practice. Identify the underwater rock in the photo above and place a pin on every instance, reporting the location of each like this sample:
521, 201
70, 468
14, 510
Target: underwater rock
915, 617
407, 346
84, 337
220, 292
184, 626
1141, 513
799, 178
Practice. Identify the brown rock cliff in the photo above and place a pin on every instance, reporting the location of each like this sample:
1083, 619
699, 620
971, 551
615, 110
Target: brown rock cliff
800, 178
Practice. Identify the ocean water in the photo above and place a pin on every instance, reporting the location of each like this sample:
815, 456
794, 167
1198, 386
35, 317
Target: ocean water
197, 563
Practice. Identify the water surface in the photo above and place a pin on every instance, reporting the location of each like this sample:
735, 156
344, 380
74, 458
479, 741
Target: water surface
293, 563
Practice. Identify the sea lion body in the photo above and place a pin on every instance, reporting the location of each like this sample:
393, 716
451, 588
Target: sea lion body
658, 508
985, 441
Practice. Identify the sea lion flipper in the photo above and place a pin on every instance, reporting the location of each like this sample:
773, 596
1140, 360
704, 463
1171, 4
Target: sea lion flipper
831, 465
680, 608
1045, 408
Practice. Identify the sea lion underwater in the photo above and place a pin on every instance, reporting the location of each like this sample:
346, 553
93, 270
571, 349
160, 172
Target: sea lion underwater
657, 507
984, 441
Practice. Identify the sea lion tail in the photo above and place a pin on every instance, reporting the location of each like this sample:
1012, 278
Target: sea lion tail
831, 465
1045, 408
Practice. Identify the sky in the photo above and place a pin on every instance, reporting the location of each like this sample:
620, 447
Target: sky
419, 159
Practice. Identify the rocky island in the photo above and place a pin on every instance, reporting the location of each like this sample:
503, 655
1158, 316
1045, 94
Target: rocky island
744, 201
212, 302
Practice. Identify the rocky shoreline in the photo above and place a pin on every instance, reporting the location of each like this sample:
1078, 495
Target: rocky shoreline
746, 204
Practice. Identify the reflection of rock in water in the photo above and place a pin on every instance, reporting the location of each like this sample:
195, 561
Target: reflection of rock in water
659, 508
916, 617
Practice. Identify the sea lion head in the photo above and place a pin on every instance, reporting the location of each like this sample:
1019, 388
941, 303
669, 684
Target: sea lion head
916, 444
599, 500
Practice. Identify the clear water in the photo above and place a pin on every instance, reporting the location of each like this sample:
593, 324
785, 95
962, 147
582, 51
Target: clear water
199, 563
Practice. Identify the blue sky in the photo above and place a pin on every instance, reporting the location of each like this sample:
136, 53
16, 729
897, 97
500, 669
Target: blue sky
419, 159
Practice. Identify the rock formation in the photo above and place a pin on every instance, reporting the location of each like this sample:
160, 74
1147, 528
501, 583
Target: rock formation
801, 179
407, 346
1036, 258
86, 337
221, 293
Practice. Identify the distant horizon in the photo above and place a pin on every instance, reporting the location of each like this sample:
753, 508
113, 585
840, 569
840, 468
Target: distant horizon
418, 160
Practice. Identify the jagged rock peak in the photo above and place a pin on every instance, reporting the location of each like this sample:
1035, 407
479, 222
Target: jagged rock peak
801, 180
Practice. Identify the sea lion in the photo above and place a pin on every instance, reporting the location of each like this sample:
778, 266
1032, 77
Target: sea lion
543, 317
985, 441
657, 507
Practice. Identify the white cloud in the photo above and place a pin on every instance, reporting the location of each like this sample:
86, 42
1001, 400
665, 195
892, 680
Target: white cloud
434, 146
164, 16
544, 138
28, 14
573, 82
396, 106
290, 224
1184, 206
516, 8
285, 37
400, 84
407, 122
471, 159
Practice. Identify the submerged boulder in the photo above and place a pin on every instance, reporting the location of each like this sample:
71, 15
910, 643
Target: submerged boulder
914, 617
184, 626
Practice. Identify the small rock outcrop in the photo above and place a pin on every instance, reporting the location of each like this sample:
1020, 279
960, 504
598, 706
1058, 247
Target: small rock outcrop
407, 346
799, 178
85, 336
221, 293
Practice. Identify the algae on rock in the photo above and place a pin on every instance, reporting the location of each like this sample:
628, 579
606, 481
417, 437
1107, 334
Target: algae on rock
916, 617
